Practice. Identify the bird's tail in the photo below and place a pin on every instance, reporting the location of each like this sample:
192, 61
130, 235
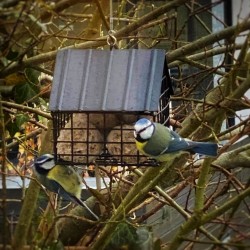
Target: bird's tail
205, 148
83, 204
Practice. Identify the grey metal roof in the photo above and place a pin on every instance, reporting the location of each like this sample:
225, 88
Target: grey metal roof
104, 80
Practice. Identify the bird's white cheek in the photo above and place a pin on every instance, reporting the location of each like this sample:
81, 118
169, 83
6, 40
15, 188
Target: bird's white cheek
48, 165
145, 135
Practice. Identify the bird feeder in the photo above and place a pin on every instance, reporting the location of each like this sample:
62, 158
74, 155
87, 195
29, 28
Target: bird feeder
97, 96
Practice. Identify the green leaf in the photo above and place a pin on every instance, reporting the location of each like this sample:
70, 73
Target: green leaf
21, 119
25, 92
32, 75
12, 128
16, 125
124, 237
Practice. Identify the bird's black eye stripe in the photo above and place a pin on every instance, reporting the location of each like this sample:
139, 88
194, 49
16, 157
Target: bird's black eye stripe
144, 128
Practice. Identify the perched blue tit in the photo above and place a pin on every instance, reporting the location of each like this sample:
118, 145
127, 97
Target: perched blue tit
156, 140
60, 179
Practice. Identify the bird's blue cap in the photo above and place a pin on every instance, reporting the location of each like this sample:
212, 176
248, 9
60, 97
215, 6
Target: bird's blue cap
143, 121
43, 158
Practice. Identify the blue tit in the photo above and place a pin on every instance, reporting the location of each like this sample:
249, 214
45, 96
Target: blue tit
60, 179
156, 140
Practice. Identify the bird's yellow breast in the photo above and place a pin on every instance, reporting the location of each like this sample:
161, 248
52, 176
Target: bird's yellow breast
140, 146
67, 178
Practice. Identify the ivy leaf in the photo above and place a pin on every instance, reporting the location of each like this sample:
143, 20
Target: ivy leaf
32, 75
12, 128
30, 88
25, 92
17, 124
124, 237
21, 119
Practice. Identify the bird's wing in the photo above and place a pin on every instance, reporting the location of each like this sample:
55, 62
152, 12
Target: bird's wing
67, 183
66, 177
176, 143
55, 187
159, 141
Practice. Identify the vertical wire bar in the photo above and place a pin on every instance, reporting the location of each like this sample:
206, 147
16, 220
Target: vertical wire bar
72, 137
87, 140
54, 133
111, 23
121, 143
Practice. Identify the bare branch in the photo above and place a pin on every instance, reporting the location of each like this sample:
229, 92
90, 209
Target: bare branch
26, 108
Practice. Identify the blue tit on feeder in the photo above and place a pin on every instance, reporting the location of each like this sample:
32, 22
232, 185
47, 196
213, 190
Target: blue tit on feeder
157, 141
60, 179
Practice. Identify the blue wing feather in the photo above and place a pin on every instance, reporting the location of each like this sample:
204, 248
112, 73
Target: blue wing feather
177, 143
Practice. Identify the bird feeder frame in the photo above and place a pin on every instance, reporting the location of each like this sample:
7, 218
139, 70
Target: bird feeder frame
102, 84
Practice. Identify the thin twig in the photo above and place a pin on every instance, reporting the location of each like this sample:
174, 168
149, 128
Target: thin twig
25, 108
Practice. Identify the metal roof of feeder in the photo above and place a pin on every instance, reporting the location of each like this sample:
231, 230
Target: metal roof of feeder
104, 80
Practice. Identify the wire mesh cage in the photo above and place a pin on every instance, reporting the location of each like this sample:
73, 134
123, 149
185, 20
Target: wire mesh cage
93, 114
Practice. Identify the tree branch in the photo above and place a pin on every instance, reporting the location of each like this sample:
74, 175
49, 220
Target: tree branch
101, 41
26, 108
224, 95
206, 54
198, 219
208, 40
136, 194
239, 157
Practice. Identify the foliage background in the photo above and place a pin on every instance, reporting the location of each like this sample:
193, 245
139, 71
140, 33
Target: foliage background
215, 191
